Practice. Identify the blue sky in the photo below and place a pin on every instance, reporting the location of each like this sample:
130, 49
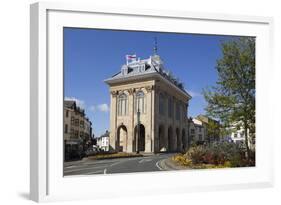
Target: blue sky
91, 56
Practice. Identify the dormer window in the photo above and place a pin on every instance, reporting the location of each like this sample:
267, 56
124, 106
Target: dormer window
147, 66
141, 68
124, 70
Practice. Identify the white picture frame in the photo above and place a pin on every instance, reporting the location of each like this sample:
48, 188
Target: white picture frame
46, 150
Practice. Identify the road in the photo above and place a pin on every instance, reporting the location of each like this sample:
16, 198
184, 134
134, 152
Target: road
118, 165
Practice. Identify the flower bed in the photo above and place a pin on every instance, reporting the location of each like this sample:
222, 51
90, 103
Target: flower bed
114, 155
215, 155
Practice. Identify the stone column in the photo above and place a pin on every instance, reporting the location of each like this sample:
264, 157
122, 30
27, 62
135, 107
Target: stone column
131, 113
187, 127
174, 124
148, 113
153, 130
166, 135
113, 116
165, 117
155, 122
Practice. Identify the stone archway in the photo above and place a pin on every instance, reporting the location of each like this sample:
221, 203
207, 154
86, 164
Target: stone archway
140, 144
161, 137
170, 139
179, 143
122, 138
183, 140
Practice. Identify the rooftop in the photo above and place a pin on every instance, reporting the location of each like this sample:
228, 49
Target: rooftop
106, 134
206, 119
151, 65
72, 105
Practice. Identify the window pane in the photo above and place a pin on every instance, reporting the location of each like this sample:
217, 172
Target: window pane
161, 105
139, 103
122, 104
123, 107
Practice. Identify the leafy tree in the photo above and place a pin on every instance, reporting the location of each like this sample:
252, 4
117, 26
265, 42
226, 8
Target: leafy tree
213, 130
232, 99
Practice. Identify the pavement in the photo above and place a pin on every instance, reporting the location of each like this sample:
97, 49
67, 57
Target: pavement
149, 163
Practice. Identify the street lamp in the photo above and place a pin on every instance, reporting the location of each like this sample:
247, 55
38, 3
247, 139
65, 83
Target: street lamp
138, 127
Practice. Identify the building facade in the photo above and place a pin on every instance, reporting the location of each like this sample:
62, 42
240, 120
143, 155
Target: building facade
148, 108
212, 128
197, 131
103, 142
77, 129
238, 135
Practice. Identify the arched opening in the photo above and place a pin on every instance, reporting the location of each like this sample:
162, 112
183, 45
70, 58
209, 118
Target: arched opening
184, 143
162, 104
179, 143
121, 138
140, 143
170, 139
161, 138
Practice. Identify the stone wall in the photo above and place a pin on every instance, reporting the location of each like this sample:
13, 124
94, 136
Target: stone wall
175, 132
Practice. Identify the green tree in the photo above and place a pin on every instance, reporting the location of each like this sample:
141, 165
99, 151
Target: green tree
213, 131
232, 99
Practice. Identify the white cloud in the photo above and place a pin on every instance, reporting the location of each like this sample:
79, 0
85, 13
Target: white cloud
193, 93
101, 107
79, 103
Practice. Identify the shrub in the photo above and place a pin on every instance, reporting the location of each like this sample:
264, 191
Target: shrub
182, 160
218, 154
196, 154
215, 155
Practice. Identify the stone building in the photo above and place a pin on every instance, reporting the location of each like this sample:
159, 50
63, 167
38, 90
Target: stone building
77, 129
213, 134
197, 131
145, 86
103, 141
237, 135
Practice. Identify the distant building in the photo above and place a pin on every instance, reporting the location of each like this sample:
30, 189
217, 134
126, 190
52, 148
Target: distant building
200, 129
209, 123
77, 130
197, 131
103, 141
237, 135
145, 86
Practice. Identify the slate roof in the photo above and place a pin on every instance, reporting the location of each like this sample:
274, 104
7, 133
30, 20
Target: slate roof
69, 104
153, 64
72, 105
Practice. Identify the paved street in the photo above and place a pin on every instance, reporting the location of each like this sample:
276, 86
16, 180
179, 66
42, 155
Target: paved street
120, 165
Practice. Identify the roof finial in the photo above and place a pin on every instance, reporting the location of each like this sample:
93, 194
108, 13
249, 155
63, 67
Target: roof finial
155, 46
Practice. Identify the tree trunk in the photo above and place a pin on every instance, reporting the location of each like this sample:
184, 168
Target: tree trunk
246, 139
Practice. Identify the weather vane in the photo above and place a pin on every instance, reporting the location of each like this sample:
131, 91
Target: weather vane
155, 46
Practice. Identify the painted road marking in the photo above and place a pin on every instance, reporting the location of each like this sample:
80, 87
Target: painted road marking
84, 168
71, 166
158, 166
145, 160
